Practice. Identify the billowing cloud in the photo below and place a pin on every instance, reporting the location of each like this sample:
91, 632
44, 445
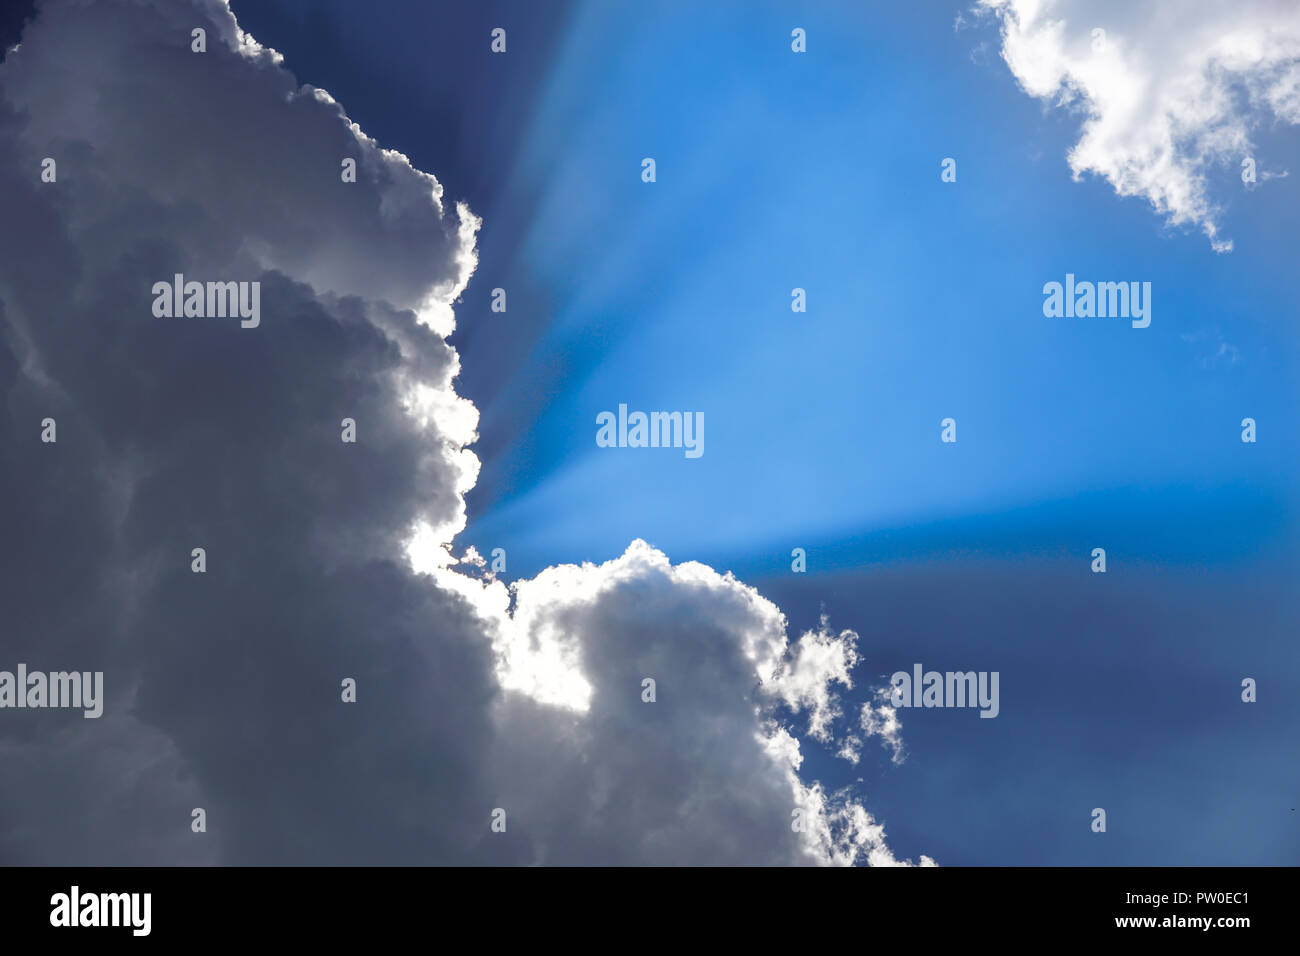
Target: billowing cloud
1171, 91
703, 773
325, 560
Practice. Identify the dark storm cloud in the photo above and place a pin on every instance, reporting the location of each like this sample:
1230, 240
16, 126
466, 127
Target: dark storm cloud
223, 688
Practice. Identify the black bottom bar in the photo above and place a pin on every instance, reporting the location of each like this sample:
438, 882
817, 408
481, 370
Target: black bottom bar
334, 906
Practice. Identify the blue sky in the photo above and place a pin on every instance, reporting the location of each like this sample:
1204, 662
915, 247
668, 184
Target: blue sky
822, 171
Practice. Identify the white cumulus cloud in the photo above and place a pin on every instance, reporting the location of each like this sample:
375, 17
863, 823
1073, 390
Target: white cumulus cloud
1171, 91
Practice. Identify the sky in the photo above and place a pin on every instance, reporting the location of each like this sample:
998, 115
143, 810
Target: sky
1110, 158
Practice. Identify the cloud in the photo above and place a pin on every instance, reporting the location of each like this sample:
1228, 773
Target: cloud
325, 559
1170, 91
703, 774
816, 663
881, 720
